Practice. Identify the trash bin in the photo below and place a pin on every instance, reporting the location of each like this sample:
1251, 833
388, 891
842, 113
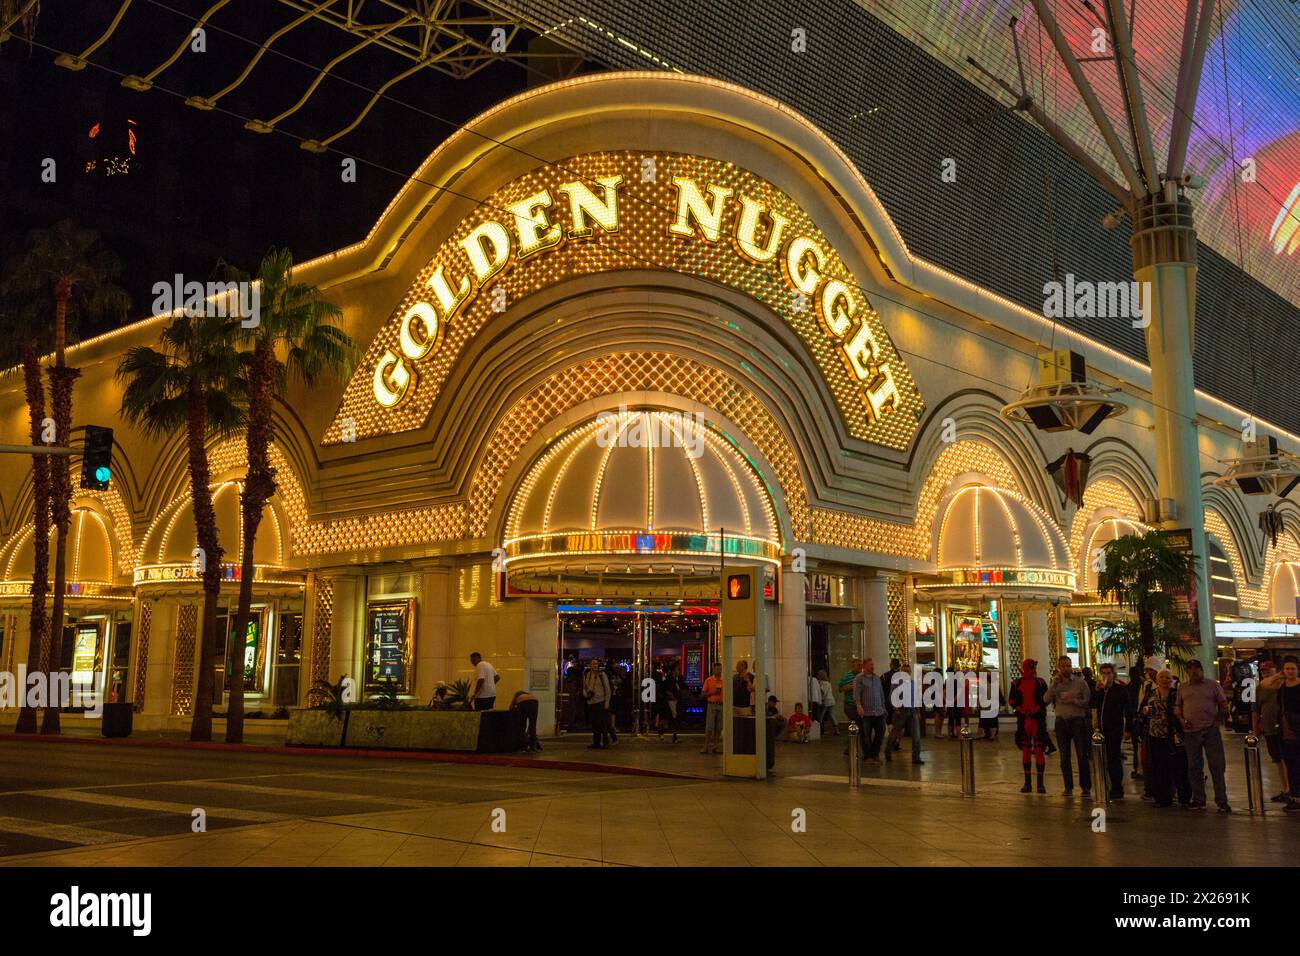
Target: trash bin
117, 720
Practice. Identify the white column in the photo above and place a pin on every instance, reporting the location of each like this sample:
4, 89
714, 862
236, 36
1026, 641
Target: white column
540, 658
1036, 637
346, 638
876, 614
433, 634
158, 668
1178, 459
789, 665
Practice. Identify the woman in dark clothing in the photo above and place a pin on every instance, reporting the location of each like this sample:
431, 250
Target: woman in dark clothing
1166, 757
1289, 722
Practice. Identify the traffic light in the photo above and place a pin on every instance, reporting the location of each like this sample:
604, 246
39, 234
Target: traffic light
96, 458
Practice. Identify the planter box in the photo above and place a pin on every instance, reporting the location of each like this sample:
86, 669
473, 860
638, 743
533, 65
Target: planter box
455, 730
315, 728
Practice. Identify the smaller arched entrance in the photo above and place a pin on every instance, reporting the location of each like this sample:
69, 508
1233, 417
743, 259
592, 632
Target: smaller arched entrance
1003, 571
95, 644
625, 522
168, 575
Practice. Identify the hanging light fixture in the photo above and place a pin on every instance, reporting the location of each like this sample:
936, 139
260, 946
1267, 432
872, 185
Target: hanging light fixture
1261, 469
1064, 399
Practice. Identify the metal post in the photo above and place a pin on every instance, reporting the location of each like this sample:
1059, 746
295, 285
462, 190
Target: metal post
1100, 778
967, 763
855, 756
1254, 776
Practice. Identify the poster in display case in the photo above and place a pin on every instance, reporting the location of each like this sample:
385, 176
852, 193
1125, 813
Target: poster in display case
390, 637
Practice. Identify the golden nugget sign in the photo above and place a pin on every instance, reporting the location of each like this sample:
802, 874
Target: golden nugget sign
602, 213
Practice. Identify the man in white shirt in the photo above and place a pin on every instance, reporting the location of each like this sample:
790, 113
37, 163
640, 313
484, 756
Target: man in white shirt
484, 693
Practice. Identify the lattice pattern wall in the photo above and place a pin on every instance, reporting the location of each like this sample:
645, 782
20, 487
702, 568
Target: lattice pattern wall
10, 638
1013, 644
322, 630
183, 665
143, 616
896, 604
1053, 635
914, 540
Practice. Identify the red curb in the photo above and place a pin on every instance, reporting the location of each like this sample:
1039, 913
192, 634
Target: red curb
494, 760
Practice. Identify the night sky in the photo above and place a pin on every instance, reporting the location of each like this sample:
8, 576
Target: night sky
202, 189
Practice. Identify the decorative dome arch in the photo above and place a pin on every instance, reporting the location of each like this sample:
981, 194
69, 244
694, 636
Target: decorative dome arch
992, 542
642, 484
1284, 590
91, 556
167, 554
1105, 526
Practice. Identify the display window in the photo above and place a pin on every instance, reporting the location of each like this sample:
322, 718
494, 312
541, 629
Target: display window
251, 653
390, 645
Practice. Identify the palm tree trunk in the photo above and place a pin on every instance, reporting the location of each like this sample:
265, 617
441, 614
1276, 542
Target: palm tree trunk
35, 393
61, 384
205, 522
1147, 628
259, 486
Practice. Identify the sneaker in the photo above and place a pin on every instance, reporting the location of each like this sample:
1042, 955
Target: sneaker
917, 760
1026, 789
1281, 798
1224, 808
1041, 788
1293, 806
1195, 806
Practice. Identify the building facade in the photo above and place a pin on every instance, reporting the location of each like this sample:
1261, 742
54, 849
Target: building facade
618, 332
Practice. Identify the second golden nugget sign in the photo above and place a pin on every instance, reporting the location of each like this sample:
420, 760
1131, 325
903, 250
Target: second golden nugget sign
607, 212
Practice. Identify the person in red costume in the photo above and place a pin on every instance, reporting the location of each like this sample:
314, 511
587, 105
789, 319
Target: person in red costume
1026, 699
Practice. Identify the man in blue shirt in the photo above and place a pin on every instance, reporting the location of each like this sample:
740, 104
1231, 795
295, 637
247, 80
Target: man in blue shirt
869, 704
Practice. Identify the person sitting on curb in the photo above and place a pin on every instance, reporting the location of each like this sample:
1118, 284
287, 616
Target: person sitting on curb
800, 725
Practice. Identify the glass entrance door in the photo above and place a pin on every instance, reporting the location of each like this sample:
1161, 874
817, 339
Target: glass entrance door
633, 646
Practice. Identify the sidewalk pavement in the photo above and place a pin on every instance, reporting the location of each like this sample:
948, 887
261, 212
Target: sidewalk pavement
793, 819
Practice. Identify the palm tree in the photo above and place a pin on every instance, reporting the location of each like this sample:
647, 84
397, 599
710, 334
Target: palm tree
1141, 573
296, 323
68, 271
193, 382
1124, 639
22, 345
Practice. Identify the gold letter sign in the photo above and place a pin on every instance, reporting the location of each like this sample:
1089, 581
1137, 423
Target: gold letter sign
593, 213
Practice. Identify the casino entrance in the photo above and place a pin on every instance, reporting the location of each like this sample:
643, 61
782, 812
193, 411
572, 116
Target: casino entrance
633, 642
622, 526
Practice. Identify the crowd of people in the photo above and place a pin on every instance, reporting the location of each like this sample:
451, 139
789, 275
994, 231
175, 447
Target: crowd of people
1174, 728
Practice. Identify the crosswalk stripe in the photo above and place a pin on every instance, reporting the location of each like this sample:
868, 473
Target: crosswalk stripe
317, 794
59, 831
105, 799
